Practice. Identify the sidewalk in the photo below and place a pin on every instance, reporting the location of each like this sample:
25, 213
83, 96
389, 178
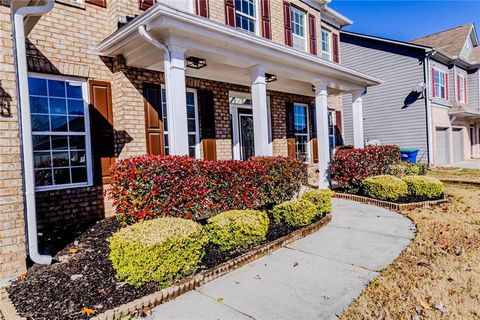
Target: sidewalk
316, 277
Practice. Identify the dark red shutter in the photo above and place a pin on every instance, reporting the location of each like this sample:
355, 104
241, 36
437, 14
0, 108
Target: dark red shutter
433, 83
154, 119
458, 88
146, 4
290, 123
230, 13
201, 8
266, 25
336, 53
312, 27
446, 86
206, 106
465, 88
101, 3
287, 23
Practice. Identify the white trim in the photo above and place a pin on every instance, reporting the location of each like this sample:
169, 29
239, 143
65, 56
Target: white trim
256, 19
304, 26
87, 134
330, 49
309, 157
445, 80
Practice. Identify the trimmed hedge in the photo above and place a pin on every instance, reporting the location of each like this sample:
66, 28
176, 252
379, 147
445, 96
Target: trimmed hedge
407, 169
237, 229
147, 187
425, 187
349, 167
385, 187
295, 213
160, 250
322, 199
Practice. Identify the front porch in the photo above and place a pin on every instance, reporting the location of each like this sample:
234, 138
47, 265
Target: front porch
247, 96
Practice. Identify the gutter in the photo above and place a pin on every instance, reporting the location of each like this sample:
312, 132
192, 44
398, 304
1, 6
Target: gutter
23, 99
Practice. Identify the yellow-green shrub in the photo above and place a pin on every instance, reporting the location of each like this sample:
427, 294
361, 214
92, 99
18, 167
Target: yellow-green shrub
295, 213
237, 229
160, 250
385, 187
423, 186
322, 199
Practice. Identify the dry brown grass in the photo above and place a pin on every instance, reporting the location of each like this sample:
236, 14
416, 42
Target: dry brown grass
438, 275
456, 173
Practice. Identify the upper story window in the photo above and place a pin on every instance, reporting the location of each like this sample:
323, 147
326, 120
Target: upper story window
326, 44
245, 15
440, 84
461, 88
298, 29
60, 132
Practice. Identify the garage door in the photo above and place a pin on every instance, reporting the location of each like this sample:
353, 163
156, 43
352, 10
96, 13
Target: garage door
458, 149
441, 146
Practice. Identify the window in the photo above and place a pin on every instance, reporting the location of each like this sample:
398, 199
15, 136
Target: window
326, 44
298, 29
192, 123
461, 88
60, 132
245, 15
300, 120
440, 84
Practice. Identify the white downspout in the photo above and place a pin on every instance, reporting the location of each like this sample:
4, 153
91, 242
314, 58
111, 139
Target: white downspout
430, 129
25, 125
142, 30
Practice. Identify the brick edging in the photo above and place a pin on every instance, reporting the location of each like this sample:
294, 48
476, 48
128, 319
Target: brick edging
389, 205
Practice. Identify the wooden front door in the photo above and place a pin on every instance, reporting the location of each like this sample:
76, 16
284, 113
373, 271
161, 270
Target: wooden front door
154, 119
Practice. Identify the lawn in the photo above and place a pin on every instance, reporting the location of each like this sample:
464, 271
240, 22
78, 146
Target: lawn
456, 173
438, 275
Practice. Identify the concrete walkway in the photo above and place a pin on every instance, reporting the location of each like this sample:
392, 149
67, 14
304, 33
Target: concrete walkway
316, 277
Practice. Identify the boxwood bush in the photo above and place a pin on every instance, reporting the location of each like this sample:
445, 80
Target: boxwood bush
407, 169
385, 187
322, 199
294, 213
423, 186
161, 250
237, 229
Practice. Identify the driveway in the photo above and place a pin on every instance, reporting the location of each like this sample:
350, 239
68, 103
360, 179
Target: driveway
316, 277
468, 164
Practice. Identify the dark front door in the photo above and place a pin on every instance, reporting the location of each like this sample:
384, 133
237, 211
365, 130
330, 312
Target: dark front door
245, 125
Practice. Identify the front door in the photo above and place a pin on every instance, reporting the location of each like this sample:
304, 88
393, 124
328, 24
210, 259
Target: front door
245, 128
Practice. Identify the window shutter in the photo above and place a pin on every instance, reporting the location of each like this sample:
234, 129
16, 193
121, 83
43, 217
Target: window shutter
446, 86
312, 26
336, 54
206, 106
266, 25
145, 4
101, 3
458, 88
287, 23
230, 13
465, 88
338, 128
153, 119
201, 8
314, 134
291, 149
101, 120
433, 83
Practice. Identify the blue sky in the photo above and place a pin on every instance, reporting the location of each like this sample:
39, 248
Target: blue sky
407, 20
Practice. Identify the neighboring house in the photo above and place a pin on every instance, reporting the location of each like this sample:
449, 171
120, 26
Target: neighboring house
443, 121
98, 80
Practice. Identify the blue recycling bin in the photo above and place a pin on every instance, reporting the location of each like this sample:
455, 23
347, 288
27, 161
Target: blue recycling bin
409, 154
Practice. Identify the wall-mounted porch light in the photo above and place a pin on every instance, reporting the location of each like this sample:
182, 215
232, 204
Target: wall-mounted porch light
270, 77
196, 63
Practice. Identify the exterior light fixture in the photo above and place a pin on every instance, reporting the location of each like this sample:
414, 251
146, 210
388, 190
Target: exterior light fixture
270, 77
196, 63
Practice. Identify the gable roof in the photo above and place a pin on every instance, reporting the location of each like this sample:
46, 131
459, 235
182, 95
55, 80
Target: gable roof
386, 40
475, 55
449, 42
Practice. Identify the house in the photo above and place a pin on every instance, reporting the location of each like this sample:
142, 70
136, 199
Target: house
430, 98
91, 81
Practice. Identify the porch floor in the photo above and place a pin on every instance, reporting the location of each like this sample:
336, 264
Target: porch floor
316, 277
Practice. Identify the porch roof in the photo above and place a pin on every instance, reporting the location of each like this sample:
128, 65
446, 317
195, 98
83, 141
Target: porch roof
230, 52
465, 111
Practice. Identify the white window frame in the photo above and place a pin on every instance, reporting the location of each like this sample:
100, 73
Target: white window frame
303, 38
307, 111
326, 54
256, 23
461, 88
437, 93
88, 145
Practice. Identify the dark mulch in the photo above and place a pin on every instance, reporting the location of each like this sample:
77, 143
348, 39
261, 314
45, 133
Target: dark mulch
407, 199
83, 277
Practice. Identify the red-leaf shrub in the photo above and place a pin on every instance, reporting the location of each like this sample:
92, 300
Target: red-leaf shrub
147, 187
350, 166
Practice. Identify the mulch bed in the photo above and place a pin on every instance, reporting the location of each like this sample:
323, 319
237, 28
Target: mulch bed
402, 200
83, 277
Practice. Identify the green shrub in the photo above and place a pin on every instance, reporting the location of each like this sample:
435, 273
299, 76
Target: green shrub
407, 169
295, 213
237, 229
385, 187
161, 250
322, 199
422, 186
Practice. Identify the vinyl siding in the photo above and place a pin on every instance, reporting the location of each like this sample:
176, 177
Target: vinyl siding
473, 89
384, 119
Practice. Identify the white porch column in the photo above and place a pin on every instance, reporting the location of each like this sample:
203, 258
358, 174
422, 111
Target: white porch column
321, 117
260, 112
175, 89
357, 111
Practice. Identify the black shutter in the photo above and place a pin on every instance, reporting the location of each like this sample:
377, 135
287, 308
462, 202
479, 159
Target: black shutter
291, 148
206, 106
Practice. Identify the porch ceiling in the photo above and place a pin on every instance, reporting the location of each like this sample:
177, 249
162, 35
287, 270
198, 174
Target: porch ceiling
230, 53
